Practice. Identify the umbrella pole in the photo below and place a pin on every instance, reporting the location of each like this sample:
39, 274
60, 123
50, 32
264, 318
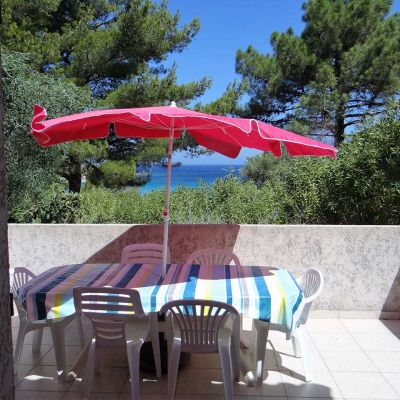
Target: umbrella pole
167, 198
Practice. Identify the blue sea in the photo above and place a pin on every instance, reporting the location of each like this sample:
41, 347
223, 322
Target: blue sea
188, 175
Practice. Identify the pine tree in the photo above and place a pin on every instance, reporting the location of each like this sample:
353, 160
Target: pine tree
344, 66
114, 47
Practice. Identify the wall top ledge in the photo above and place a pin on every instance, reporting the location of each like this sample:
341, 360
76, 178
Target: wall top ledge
280, 226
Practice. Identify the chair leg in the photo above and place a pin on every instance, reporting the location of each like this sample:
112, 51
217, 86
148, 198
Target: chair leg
296, 346
235, 351
133, 350
80, 331
170, 337
90, 367
97, 362
155, 342
173, 367
19, 346
262, 337
37, 340
301, 351
226, 365
58, 334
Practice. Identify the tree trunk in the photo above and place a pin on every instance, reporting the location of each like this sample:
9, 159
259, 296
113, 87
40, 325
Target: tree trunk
341, 107
74, 182
6, 348
339, 129
73, 174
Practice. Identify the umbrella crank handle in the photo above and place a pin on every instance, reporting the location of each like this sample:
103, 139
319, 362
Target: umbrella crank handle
165, 214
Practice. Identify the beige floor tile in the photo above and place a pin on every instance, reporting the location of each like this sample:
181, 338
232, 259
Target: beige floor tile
392, 325
277, 341
27, 357
394, 381
378, 341
47, 339
210, 383
386, 361
286, 361
207, 381
248, 397
30, 395
315, 398
113, 357
23, 370
71, 353
350, 360
325, 326
149, 384
109, 380
367, 385
93, 396
43, 378
193, 396
340, 345
212, 360
72, 336
147, 396
204, 361
334, 341
364, 325
322, 385
270, 363
272, 386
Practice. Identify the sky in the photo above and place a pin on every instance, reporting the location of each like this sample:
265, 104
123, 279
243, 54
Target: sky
225, 27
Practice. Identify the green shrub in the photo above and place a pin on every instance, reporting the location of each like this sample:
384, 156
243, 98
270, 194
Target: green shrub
113, 173
56, 206
362, 186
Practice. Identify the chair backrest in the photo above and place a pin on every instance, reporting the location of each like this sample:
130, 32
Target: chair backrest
199, 322
19, 277
143, 253
212, 256
108, 309
311, 283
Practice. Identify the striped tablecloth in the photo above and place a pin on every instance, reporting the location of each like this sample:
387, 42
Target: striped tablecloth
268, 294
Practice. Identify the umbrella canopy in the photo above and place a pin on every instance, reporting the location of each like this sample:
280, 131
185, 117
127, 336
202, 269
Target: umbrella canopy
222, 134
225, 135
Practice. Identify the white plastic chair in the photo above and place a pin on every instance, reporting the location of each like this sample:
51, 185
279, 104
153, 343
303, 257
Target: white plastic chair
213, 256
311, 283
117, 318
19, 277
203, 326
143, 253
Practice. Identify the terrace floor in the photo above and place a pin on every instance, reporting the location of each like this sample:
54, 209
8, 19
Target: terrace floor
350, 359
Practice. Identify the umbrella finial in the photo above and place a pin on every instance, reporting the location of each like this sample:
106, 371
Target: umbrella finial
173, 104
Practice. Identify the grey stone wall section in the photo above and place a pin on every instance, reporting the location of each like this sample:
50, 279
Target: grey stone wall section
360, 264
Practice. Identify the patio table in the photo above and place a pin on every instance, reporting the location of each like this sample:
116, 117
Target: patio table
263, 293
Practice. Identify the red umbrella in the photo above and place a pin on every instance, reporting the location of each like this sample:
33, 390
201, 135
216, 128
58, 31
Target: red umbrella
222, 134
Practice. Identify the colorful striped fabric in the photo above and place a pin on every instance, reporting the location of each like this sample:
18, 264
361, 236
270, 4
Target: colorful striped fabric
268, 294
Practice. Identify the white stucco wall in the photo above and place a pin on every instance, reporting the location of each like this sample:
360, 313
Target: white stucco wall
360, 264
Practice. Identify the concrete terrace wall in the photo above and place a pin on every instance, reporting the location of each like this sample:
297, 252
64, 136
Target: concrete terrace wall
361, 264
